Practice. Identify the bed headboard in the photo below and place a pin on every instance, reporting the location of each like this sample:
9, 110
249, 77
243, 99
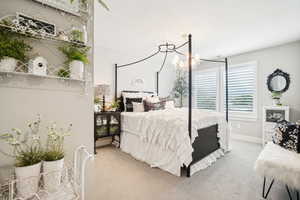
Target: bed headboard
121, 99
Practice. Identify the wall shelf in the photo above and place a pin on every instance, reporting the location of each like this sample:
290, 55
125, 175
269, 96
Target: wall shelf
8, 74
40, 37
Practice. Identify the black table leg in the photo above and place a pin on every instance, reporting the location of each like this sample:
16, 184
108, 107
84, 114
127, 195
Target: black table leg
265, 195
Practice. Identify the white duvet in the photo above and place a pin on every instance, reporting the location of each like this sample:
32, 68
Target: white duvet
168, 130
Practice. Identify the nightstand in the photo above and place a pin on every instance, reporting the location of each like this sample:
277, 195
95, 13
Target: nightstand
107, 124
271, 115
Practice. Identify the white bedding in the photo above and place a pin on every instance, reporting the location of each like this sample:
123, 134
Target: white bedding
166, 131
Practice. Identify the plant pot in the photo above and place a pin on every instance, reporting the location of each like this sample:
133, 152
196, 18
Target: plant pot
276, 102
8, 64
38, 66
76, 68
52, 171
28, 180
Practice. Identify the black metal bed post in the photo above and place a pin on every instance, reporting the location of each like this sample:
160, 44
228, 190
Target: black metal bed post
190, 95
116, 82
157, 83
226, 87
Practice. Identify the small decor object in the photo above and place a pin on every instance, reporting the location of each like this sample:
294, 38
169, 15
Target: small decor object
276, 98
76, 58
27, 24
102, 90
278, 82
12, 50
38, 66
287, 135
63, 36
77, 35
180, 89
28, 155
54, 157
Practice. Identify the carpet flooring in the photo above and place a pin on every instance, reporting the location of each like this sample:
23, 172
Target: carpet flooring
115, 175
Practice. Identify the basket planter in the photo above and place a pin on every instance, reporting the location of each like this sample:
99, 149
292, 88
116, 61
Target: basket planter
52, 171
8, 64
76, 68
28, 180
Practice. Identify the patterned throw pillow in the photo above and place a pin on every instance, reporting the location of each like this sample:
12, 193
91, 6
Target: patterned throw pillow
129, 106
154, 106
287, 135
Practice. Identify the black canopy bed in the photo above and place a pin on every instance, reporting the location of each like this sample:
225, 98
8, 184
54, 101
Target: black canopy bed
203, 138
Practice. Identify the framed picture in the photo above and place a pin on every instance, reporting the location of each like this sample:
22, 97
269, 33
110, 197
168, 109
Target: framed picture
68, 6
275, 115
36, 25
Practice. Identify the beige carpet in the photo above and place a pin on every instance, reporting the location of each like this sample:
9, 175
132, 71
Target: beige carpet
114, 175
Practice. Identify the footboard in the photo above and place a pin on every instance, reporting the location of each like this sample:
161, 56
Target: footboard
206, 143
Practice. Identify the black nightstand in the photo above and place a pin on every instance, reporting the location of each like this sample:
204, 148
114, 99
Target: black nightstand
107, 124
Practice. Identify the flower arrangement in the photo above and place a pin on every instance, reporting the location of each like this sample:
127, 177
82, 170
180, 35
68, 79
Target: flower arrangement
55, 142
26, 148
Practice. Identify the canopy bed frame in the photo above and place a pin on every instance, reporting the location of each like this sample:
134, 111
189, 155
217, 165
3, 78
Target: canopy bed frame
207, 140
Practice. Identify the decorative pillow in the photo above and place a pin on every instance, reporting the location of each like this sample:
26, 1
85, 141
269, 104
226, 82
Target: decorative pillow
169, 105
154, 106
287, 135
138, 107
152, 99
129, 106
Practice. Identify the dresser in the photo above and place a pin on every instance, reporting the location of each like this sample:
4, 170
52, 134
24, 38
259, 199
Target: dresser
271, 115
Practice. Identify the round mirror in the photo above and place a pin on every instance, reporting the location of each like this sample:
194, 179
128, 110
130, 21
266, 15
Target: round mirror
278, 81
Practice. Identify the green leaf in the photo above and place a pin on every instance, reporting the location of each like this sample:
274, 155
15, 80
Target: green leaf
103, 4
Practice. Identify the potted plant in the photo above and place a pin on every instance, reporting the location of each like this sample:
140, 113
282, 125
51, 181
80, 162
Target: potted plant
77, 36
54, 157
276, 98
63, 73
12, 49
28, 155
76, 58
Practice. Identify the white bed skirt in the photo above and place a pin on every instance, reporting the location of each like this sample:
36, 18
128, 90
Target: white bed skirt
162, 158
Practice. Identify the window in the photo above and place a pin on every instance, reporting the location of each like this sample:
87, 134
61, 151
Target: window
205, 89
209, 90
241, 88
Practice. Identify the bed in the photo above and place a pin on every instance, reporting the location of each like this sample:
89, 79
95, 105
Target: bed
161, 138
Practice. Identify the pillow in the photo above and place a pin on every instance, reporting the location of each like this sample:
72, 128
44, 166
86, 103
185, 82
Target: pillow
129, 101
287, 135
154, 106
169, 105
152, 99
138, 107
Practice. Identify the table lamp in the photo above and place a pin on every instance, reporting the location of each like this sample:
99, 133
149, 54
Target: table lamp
102, 90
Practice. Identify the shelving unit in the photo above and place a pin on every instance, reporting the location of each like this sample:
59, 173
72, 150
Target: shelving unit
40, 37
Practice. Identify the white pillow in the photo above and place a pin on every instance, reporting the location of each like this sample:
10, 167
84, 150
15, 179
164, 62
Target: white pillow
169, 105
152, 99
138, 107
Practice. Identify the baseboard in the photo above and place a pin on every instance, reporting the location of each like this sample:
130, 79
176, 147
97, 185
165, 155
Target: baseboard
246, 138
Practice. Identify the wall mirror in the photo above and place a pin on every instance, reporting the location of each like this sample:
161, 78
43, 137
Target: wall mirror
278, 81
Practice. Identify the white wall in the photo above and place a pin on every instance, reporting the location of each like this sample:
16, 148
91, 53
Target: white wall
21, 98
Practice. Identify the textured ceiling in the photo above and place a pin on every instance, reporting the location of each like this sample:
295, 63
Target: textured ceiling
219, 27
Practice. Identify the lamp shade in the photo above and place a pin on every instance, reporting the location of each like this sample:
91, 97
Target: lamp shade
102, 90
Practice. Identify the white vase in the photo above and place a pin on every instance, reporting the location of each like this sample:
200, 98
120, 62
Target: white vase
76, 68
52, 171
8, 64
28, 180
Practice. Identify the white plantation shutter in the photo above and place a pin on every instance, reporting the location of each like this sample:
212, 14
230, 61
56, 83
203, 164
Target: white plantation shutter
205, 89
241, 88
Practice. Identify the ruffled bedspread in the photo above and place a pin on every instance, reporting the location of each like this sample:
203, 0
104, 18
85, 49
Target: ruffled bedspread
168, 129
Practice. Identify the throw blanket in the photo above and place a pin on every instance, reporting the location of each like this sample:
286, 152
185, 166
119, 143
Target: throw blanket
169, 129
